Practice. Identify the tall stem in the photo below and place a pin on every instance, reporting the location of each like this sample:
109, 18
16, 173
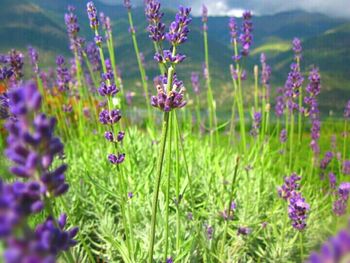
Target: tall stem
157, 184
345, 138
168, 190
229, 210
211, 102
141, 68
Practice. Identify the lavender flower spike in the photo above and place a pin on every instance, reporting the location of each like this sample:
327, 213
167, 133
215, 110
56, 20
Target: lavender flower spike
92, 14
336, 249
347, 110
178, 29
154, 16
297, 211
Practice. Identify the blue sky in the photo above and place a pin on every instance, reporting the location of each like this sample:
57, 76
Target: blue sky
338, 8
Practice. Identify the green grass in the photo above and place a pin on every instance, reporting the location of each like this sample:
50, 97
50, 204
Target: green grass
94, 199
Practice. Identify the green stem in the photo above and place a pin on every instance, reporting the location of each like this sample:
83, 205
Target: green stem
291, 135
177, 189
157, 185
168, 190
229, 210
211, 102
141, 68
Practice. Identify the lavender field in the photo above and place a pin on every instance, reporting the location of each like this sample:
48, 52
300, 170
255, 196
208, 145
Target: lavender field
171, 167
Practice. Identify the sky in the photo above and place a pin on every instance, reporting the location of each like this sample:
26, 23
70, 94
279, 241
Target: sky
334, 8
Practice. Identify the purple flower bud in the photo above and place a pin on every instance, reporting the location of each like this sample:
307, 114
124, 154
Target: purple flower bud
92, 14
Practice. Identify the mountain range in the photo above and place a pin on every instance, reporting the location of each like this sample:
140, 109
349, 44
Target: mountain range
326, 43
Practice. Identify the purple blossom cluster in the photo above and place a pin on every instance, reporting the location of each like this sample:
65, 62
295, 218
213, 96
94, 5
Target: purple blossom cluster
265, 74
235, 73
297, 207
341, 203
154, 16
346, 167
4, 106
170, 90
63, 75
106, 24
256, 124
291, 184
283, 136
73, 28
297, 48
313, 89
326, 160
292, 88
92, 14
245, 37
168, 100
11, 67
336, 249
33, 58
279, 105
297, 210
205, 17
228, 214
93, 55
109, 117
347, 110
178, 30
195, 82
32, 148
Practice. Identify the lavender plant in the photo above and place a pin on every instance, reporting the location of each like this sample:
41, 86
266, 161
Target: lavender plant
32, 148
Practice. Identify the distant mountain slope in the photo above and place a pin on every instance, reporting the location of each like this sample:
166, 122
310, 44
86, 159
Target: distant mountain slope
326, 41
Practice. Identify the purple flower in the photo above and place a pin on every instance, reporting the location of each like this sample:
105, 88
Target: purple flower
280, 104
15, 61
127, 4
94, 56
195, 82
244, 231
290, 185
170, 260
154, 16
233, 29
167, 100
106, 23
346, 167
326, 160
292, 87
283, 136
332, 180
341, 203
4, 106
336, 249
265, 74
347, 110
73, 29
34, 58
313, 89
178, 30
116, 159
210, 232
167, 56
256, 124
92, 14
110, 117
246, 37
297, 211
62, 74
32, 149
297, 48
120, 136
235, 73
204, 16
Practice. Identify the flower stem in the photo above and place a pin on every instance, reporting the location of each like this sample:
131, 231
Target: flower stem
168, 190
229, 210
141, 68
157, 184
211, 102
